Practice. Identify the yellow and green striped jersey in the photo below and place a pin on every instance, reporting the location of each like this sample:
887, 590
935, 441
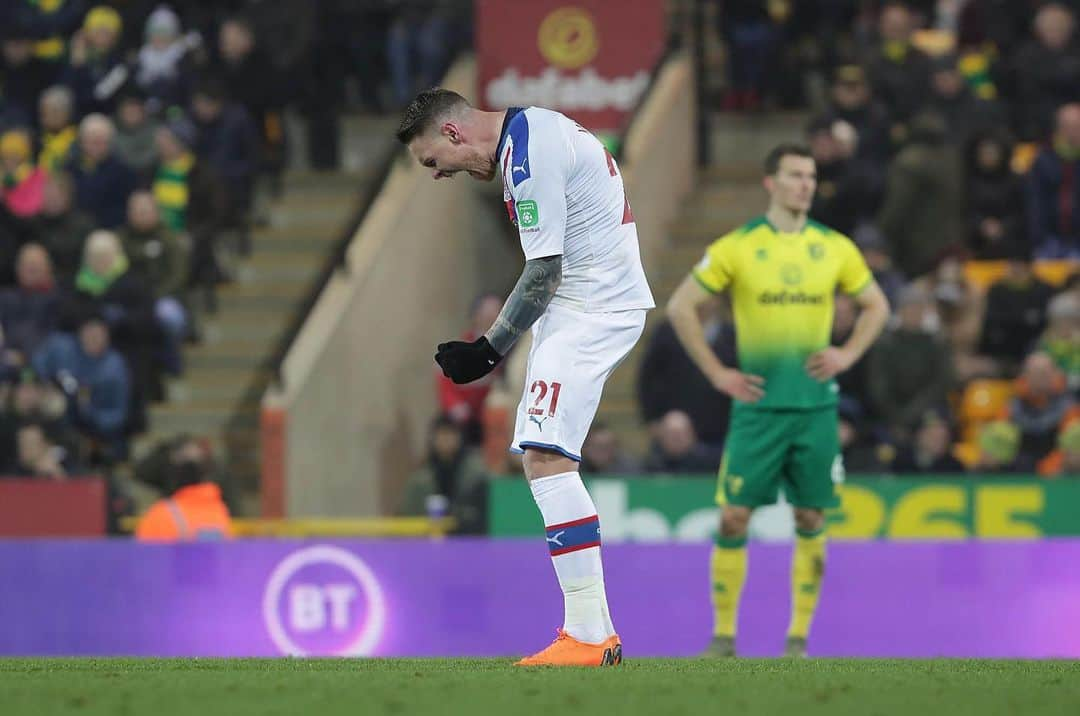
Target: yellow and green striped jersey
782, 288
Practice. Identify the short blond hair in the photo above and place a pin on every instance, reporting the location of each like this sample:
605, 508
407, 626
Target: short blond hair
96, 122
100, 241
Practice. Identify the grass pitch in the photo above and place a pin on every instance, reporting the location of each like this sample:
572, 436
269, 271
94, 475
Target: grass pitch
433, 687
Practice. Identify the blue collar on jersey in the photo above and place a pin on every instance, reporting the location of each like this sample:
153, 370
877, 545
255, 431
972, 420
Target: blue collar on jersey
511, 112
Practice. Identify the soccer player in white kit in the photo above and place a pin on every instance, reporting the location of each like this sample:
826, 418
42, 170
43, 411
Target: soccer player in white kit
584, 295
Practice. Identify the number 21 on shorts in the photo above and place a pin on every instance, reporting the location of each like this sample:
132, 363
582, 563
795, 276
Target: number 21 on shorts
544, 392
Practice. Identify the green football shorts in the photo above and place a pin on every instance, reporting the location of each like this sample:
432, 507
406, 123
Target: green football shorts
799, 449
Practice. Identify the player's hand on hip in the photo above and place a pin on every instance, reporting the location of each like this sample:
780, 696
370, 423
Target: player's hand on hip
827, 363
464, 362
740, 386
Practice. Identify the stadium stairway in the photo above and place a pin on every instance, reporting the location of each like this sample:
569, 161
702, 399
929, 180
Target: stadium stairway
727, 194
226, 373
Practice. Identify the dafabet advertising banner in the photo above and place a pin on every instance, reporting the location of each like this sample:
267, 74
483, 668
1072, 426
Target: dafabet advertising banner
590, 60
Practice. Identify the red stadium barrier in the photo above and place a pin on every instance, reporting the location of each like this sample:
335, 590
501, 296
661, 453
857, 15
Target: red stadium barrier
273, 435
36, 507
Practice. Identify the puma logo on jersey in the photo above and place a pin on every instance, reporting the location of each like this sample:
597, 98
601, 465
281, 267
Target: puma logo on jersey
554, 539
519, 168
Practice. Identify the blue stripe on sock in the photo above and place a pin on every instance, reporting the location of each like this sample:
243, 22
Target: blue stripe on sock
572, 536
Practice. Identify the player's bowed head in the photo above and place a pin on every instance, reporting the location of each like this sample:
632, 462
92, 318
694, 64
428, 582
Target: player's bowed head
448, 135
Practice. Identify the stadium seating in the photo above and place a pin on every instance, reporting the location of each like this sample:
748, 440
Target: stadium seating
981, 274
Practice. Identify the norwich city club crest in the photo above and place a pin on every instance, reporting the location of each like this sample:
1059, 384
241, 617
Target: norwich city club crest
791, 274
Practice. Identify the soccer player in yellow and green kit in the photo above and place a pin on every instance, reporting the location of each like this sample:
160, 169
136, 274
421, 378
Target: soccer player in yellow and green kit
782, 271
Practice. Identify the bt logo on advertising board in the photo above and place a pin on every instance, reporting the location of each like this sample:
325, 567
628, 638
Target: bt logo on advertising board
324, 601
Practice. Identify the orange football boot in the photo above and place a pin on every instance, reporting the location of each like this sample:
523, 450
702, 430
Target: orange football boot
568, 651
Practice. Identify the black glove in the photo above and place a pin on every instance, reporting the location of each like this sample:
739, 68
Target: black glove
464, 362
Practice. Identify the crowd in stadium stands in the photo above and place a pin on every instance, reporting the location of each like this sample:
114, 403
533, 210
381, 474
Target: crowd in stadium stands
133, 137
122, 162
947, 140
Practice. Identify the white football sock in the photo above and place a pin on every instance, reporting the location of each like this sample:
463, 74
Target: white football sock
573, 536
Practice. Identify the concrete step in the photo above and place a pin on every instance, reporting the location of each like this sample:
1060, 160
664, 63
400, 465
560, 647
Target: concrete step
348, 189
172, 419
213, 377
287, 268
232, 328
229, 347
218, 382
213, 412
295, 290
268, 331
299, 183
224, 361
330, 205
241, 310
315, 244
247, 302
212, 405
245, 275
747, 139
318, 231
250, 328
272, 260
273, 291
186, 390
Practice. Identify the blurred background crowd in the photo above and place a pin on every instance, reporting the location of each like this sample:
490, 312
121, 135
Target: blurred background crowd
140, 142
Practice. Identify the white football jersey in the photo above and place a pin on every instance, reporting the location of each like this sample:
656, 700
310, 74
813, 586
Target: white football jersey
565, 193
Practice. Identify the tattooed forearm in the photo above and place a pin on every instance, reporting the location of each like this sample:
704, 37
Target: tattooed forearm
528, 300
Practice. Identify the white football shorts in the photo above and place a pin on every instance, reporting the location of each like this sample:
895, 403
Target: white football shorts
572, 355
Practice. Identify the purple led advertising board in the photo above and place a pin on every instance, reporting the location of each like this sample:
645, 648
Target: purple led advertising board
500, 598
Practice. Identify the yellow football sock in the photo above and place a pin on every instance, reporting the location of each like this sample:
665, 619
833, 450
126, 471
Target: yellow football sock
807, 571
728, 575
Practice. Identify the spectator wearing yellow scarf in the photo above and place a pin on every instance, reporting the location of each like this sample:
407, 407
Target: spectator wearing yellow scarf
58, 133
